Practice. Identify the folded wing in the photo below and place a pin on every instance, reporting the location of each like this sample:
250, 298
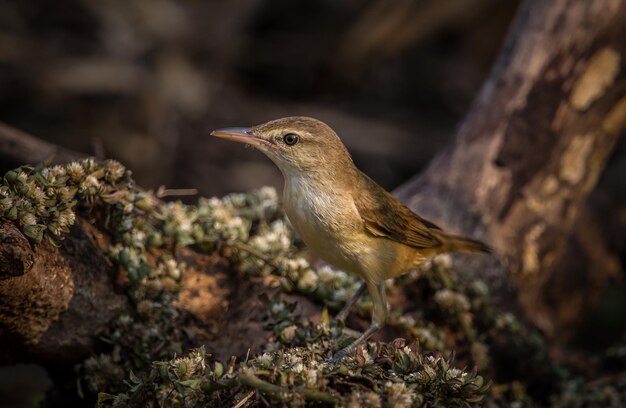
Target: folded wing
385, 216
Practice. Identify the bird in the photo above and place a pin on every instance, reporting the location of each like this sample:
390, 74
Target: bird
345, 217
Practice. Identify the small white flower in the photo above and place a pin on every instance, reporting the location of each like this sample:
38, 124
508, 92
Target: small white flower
90, 182
326, 274
341, 275
115, 170
308, 280
67, 218
277, 307
38, 194
371, 400
288, 333
172, 269
407, 320
128, 208
455, 373
260, 243
125, 320
22, 177
342, 294
311, 378
265, 359
432, 360
268, 194
302, 263
285, 242
6, 203
368, 357
75, 171
452, 300
58, 171
398, 395
138, 236
235, 222
443, 260
271, 237
88, 164
28, 219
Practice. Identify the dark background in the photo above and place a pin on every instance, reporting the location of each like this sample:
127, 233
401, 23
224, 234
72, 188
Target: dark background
146, 81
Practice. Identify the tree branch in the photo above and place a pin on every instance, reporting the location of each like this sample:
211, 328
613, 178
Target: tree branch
533, 146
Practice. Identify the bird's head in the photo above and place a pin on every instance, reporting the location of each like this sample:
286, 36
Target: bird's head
296, 144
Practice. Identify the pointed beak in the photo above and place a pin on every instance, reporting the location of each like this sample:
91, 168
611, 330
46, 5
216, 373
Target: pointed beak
242, 135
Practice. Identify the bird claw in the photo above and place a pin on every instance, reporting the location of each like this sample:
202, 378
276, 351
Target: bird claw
337, 357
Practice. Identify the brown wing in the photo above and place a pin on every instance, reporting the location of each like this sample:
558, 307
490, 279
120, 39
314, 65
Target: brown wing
385, 216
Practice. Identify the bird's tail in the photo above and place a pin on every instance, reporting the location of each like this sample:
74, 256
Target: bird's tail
453, 243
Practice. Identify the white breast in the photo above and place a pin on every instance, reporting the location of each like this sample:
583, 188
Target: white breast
321, 216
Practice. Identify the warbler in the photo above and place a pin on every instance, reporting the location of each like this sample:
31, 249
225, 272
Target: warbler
344, 216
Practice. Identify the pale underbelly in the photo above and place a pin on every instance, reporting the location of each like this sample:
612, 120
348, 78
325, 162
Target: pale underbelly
342, 253
338, 236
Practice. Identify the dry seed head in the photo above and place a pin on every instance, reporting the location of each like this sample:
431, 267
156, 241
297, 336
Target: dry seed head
22, 177
28, 219
114, 171
75, 171
66, 218
58, 171
5, 204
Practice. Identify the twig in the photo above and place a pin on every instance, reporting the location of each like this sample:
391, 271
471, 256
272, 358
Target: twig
252, 251
247, 377
17, 147
244, 399
162, 191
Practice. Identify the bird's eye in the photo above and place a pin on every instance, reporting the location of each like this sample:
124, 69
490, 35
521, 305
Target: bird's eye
291, 139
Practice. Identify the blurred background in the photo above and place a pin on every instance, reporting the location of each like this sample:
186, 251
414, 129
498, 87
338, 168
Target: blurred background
145, 81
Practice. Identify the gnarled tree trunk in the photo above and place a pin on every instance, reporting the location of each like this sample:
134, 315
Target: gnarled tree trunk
530, 152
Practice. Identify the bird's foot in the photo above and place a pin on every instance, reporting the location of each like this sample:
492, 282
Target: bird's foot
339, 356
345, 311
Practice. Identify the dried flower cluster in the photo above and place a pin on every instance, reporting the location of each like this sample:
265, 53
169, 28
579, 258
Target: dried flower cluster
377, 375
144, 226
41, 200
447, 316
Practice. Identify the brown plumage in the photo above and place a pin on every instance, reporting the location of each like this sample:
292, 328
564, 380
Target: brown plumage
385, 216
343, 215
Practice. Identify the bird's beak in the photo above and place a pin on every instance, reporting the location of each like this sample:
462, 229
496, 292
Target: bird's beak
242, 135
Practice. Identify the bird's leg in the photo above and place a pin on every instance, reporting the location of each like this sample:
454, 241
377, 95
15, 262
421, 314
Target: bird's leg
379, 315
343, 314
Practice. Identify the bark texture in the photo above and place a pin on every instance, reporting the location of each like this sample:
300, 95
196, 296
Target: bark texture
532, 149
17, 148
55, 300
